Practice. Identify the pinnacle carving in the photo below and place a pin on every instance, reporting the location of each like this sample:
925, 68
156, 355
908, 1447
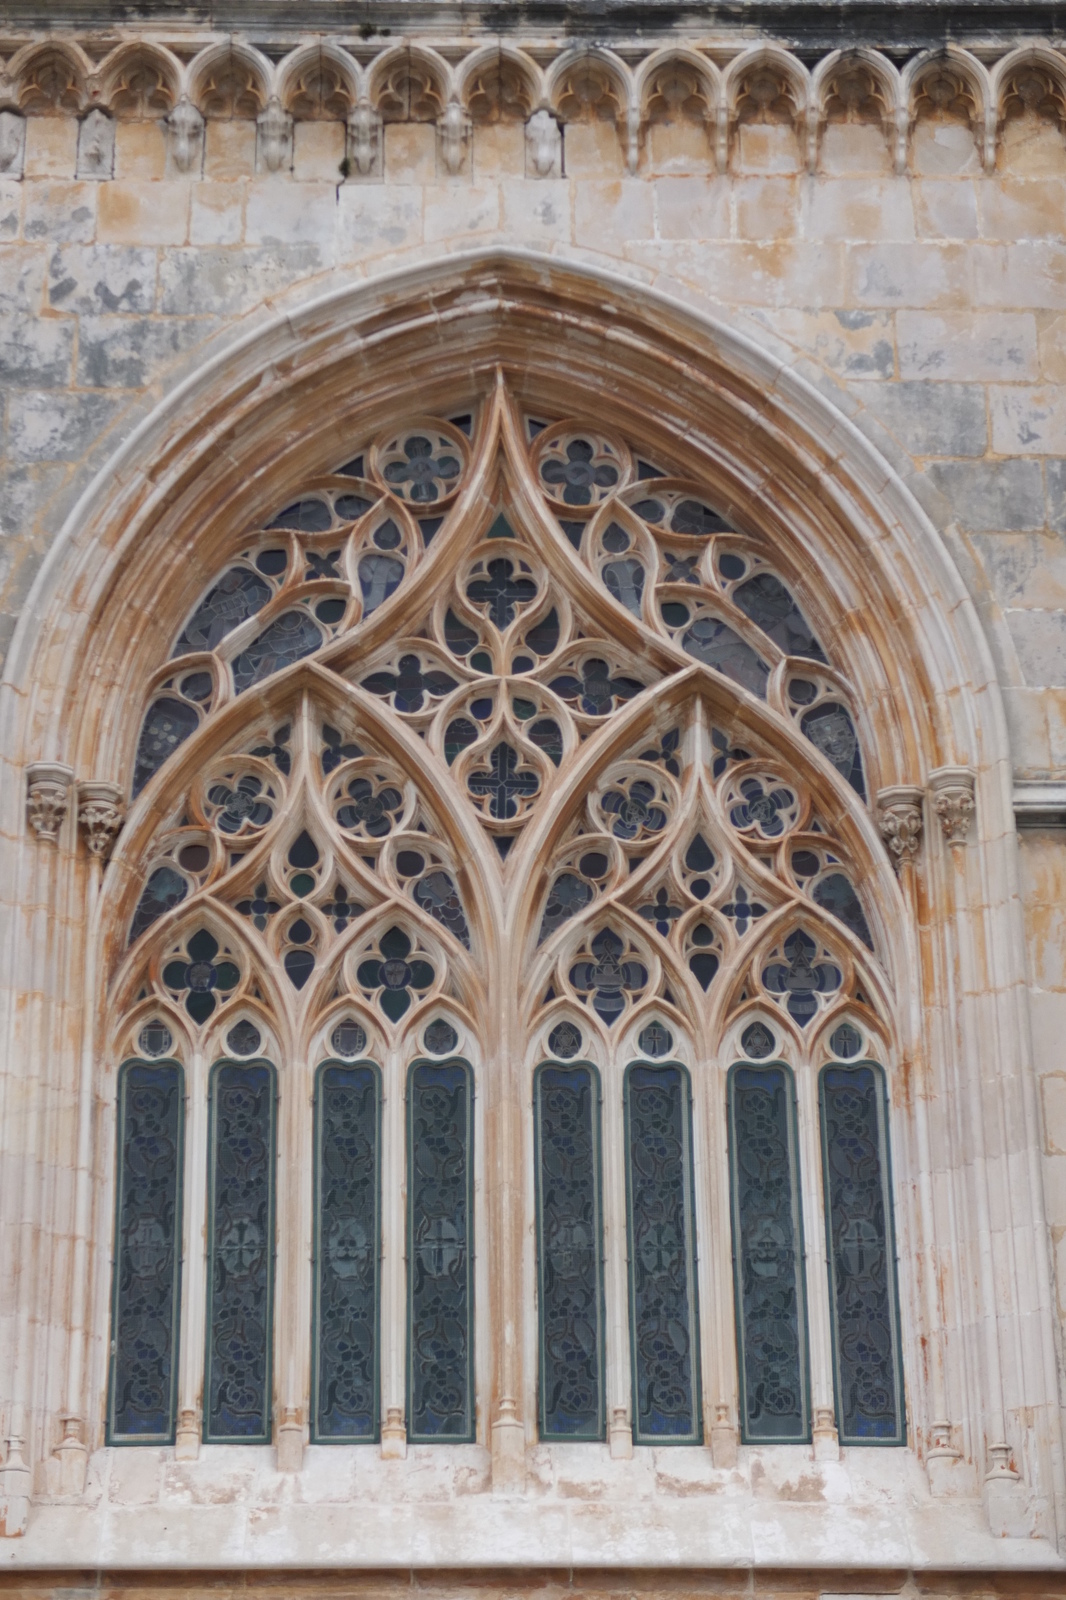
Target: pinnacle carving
953, 801
899, 816
100, 816
47, 798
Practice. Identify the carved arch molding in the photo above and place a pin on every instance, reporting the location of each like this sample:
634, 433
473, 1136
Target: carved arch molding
520, 654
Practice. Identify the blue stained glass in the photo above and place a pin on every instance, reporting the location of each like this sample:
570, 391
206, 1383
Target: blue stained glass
863, 1293
440, 1257
240, 1255
289, 637
569, 1253
237, 595
767, 1255
662, 1265
147, 1272
347, 1252
167, 723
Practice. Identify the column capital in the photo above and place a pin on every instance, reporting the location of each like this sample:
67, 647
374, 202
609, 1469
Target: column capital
952, 789
899, 817
48, 785
101, 814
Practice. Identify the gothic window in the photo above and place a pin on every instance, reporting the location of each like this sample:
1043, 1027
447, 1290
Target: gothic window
147, 1280
498, 727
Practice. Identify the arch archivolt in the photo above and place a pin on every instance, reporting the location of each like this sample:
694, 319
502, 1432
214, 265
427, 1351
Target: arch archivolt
750, 566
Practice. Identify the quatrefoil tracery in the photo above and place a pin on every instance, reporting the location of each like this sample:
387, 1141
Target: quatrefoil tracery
525, 632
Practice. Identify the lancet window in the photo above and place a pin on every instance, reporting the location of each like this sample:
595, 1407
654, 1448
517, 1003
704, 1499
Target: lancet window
544, 767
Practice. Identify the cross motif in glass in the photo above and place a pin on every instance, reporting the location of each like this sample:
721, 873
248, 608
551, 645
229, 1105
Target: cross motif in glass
341, 909
769, 811
660, 913
743, 909
633, 811
608, 978
574, 473
595, 690
800, 977
409, 684
258, 907
501, 592
374, 812
421, 475
505, 784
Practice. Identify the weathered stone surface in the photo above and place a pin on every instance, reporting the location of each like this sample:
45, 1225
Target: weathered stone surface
933, 419
46, 426
993, 496
102, 278
33, 353
124, 352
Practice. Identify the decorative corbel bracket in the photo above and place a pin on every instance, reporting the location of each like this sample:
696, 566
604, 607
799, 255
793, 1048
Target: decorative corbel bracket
952, 789
364, 138
544, 146
186, 127
48, 785
899, 817
453, 131
100, 816
274, 127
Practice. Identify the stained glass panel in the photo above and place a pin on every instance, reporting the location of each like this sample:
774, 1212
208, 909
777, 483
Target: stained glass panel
863, 1293
440, 1265
569, 1253
662, 1265
768, 1254
147, 1272
167, 723
240, 1254
237, 595
347, 1252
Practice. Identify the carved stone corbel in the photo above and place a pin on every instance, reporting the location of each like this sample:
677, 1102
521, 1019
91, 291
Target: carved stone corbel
899, 817
544, 146
453, 132
12, 143
952, 789
364, 138
274, 126
48, 786
100, 816
186, 127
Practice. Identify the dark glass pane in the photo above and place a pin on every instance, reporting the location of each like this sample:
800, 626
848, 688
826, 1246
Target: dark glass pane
305, 516
768, 603
147, 1273
831, 730
504, 784
569, 1254
767, 1253
625, 581
379, 577
347, 1253
501, 591
656, 1040
716, 645
835, 894
543, 636
240, 1255
164, 890
440, 1037
569, 894
351, 506
289, 637
565, 1040
662, 1266
440, 1265
437, 894
863, 1293
167, 724
238, 595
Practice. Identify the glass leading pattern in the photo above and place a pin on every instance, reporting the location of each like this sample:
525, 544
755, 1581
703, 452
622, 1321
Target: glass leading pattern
569, 1252
440, 1283
147, 1271
237, 1382
662, 1267
347, 1253
767, 1252
862, 1255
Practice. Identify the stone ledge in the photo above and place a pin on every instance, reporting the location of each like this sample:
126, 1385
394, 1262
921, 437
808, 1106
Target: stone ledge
1040, 803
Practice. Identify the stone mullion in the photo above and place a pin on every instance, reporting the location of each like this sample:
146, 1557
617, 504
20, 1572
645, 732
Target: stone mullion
394, 1331
812, 1202
504, 1212
191, 1398
720, 1377
617, 1367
